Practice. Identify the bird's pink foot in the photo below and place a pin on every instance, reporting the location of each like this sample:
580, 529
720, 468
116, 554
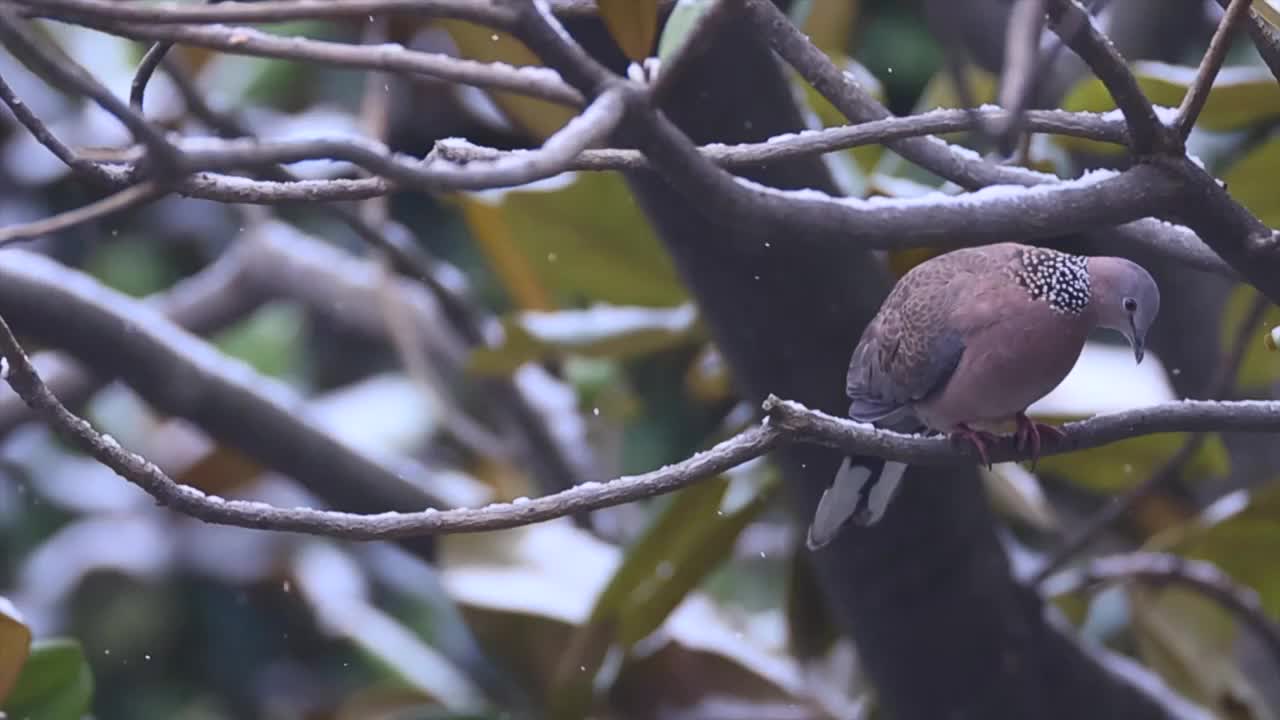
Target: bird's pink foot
1029, 436
979, 438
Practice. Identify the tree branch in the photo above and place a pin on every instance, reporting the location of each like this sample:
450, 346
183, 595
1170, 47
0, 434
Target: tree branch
1164, 569
272, 11
1076, 28
1021, 54
956, 164
130, 197
833, 139
532, 81
62, 71
788, 421
1193, 102
182, 375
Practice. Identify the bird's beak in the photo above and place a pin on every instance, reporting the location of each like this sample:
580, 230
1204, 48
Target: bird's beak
1136, 340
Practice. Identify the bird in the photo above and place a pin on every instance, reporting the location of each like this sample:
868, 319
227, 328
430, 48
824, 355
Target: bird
963, 344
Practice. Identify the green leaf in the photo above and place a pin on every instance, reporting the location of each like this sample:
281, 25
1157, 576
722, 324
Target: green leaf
1245, 545
863, 158
1242, 96
939, 92
1259, 369
688, 539
524, 603
601, 331
134, 267
15, 643
633, 25
1250, 181
1118, 466
1191, 642
269, 339
682, 20
55, 684
571, 239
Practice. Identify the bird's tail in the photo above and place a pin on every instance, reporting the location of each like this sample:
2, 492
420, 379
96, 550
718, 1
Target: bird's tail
860, 493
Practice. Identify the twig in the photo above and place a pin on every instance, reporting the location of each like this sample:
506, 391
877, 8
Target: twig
532, 81
272, 11
146, 68
129, 197
1265, 38
1022, 45
1163, 569
825, 140
184, 376
41, 132
26, 382
1198, 94
1182, 416
956, 164
1077, 30
64, 72
959, 166
1219, 384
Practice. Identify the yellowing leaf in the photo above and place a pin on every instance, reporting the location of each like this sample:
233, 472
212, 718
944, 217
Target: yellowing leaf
633, 25
1268, 10
573, 239
941, 91
15, 643
830, 23
708, 377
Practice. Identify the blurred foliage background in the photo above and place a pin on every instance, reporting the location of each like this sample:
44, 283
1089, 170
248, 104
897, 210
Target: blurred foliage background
691, 605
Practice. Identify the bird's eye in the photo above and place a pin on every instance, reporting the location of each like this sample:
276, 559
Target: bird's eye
1130, 304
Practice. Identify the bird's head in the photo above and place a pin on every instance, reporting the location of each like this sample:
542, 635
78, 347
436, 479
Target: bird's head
1125, 298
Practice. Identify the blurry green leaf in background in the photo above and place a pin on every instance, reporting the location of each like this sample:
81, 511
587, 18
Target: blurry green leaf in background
56, 683
1243, 96
1246, 546
1251, 180
1191, 642
688, 539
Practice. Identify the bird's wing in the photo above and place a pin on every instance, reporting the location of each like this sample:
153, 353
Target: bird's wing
912, 346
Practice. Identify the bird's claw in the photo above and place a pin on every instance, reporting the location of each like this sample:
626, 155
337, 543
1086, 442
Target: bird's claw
979, 438
1028, 436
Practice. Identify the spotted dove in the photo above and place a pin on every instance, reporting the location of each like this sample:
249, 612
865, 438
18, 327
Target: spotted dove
964, 343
